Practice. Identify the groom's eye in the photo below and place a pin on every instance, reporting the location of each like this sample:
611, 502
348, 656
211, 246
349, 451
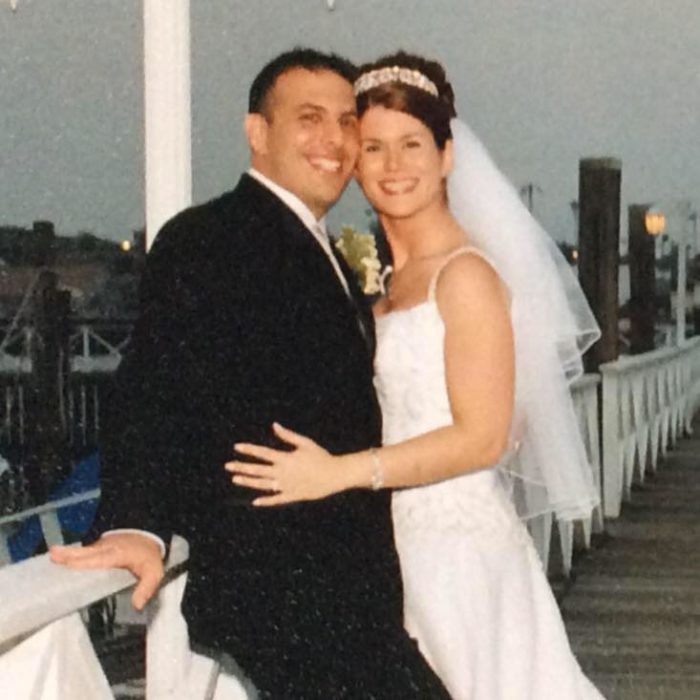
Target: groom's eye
412, 144
311, 118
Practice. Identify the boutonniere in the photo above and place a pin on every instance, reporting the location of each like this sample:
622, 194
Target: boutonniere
360, 252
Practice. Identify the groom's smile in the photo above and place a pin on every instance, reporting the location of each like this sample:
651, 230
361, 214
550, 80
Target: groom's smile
327, 165
306, 137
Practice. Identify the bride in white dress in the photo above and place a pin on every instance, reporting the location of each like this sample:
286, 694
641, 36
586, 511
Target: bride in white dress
476, 339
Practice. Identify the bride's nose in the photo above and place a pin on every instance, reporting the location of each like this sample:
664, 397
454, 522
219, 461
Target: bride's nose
392, 159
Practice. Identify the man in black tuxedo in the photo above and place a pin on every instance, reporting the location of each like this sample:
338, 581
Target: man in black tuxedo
247, 318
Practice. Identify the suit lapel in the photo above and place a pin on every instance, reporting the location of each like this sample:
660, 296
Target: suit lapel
359, 303
267, 204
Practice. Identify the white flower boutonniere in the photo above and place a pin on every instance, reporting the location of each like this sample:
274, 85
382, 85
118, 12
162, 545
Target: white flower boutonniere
360, 253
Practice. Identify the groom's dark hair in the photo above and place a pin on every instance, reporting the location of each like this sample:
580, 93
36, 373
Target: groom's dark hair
298, 57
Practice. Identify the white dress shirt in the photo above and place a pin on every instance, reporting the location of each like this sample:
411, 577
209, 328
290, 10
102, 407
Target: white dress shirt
317, 227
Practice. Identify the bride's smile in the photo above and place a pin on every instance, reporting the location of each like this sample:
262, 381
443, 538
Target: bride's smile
396, 186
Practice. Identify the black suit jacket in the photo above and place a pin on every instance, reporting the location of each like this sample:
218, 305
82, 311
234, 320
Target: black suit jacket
244, 322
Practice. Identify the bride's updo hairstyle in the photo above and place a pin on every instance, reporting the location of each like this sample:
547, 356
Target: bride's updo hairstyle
408, 83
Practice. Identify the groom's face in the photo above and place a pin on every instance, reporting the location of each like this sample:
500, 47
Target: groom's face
307, 139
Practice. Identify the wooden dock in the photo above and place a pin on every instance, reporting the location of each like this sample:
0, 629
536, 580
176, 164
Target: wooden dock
633, 610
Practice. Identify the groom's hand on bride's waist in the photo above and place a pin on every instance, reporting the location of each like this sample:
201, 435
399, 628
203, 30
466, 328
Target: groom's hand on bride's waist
139, 553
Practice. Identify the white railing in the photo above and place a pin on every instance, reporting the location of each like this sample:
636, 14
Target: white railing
89, 350
648, 402
45, 652
585, 397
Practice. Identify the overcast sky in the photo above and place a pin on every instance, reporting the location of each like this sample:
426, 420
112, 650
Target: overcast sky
544, 83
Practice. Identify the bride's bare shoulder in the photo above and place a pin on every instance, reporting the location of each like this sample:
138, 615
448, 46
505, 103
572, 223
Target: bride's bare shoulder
466, 271
470, 279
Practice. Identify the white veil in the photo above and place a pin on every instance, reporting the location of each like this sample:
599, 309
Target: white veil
553, 326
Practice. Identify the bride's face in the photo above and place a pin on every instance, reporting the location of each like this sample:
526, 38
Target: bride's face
401, 170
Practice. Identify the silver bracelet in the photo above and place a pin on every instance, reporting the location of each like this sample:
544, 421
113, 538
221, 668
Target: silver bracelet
377, 479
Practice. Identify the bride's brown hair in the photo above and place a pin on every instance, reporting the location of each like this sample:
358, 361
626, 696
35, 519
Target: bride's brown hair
434, 112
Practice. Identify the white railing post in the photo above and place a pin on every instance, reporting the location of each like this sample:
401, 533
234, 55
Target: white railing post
166, 30
627, 438
687, 383
85, 338
640, 423
612, 452
585, 392
693, 382
593, 425
51, 528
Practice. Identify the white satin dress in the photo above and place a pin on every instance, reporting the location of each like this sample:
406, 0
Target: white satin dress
475, 595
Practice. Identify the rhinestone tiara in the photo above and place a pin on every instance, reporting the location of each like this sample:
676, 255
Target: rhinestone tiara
394, 74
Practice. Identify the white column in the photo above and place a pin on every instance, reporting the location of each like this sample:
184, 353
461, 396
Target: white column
166, 30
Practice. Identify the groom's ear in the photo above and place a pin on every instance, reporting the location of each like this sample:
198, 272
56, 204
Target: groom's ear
255, 126
447, 158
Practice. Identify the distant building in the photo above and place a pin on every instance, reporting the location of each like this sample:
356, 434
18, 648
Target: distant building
101, 276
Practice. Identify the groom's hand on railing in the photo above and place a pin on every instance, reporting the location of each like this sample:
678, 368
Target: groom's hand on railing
138, 553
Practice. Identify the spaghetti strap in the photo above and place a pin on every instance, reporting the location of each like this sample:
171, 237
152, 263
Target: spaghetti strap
455, 253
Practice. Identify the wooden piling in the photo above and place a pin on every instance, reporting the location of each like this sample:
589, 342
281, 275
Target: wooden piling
642, 265
599, 245
47, 457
